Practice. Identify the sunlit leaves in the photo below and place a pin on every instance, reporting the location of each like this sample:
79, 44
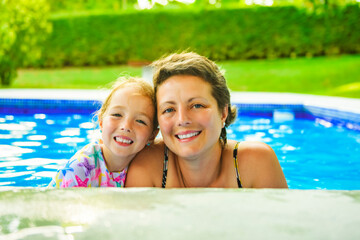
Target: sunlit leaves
23, 26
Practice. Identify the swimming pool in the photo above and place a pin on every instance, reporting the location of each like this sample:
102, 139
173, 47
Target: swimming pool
318, 148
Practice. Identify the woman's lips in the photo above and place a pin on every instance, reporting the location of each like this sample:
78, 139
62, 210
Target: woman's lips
187, 135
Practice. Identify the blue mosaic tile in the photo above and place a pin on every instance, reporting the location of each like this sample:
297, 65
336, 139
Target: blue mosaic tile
29, 106
24, 106
338, 118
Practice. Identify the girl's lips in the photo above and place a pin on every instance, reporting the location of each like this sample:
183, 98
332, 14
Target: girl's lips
187, 135
122, 140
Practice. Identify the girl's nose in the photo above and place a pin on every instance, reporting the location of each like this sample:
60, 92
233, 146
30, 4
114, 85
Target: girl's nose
126, 125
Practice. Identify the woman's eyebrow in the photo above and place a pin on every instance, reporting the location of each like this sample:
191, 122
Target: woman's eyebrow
170, 102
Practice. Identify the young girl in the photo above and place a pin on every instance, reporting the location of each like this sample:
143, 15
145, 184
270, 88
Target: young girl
127, 122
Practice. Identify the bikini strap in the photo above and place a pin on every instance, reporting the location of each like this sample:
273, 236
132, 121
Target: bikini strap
236, 165
165, 168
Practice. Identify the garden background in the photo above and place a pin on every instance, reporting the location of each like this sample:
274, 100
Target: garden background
302, 46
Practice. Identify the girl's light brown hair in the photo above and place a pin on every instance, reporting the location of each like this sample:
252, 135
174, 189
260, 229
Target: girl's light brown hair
144, 88
193, 64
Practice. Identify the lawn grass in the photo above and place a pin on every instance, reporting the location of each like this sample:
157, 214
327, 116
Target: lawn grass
333, 76
71, 77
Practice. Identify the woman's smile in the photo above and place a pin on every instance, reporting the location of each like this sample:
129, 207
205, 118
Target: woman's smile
187, 136
188, 114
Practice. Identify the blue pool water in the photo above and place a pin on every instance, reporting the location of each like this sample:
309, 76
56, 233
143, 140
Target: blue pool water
313, 152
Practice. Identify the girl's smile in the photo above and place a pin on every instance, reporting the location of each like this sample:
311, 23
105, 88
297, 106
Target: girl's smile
127, 125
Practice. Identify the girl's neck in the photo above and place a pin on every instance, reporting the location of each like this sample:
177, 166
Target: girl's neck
113, 163
202, 171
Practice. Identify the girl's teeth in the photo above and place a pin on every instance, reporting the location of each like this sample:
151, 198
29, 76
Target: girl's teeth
122, 140
189, 135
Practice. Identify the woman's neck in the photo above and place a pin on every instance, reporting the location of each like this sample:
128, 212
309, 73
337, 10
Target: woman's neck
202, 171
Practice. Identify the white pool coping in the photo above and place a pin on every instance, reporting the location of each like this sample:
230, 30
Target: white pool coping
191, 214
337, 103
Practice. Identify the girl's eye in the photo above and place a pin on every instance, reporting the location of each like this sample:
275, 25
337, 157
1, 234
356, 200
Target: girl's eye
116, 115
142, 122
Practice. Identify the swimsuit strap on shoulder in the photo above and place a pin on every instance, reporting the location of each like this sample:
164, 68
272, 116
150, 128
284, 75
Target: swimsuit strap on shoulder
165, 168
236, 165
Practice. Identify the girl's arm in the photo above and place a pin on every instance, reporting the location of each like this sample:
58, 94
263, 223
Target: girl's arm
64, 178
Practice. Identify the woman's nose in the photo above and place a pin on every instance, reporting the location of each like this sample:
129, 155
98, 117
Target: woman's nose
183, 117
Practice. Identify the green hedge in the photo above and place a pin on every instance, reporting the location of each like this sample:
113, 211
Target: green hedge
222, 34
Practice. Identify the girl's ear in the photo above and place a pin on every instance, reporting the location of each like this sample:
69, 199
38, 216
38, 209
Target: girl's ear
152, 137
154, 134
100, 122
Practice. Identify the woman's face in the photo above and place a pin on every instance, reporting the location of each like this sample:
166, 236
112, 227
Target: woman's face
189, 118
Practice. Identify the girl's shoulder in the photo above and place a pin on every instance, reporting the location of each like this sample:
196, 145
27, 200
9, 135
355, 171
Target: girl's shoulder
86, 160
89, 153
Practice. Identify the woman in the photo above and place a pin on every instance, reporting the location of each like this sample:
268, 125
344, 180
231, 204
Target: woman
193, 110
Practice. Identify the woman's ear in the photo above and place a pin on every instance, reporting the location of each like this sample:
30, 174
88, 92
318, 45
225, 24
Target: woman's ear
224, 113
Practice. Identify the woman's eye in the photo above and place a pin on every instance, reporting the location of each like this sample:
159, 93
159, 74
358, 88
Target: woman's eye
168, 110
198, 106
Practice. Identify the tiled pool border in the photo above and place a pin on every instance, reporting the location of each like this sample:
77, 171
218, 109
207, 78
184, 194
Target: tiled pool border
337, 110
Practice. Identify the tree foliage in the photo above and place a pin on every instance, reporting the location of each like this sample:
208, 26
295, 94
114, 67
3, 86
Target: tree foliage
23, 26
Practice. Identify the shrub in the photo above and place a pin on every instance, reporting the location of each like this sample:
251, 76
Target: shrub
221, 34
23, 26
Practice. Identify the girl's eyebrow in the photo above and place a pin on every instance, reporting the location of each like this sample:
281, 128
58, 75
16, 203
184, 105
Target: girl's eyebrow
116, 106
136, 113
143, 114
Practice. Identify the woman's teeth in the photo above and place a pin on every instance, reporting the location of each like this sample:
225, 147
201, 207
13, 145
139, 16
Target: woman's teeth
189, 135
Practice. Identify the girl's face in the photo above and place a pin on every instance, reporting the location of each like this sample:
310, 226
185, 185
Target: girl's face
188, 115
127, 123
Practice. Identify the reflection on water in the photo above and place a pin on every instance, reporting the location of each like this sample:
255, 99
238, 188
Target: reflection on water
313, 154
33, 146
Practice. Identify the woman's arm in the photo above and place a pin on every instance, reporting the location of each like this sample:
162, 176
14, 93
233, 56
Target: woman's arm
145, 169
259, 166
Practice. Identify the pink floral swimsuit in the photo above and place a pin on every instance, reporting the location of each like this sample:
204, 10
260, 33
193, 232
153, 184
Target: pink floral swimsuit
87, 168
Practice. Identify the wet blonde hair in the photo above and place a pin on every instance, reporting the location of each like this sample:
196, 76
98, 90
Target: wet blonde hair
193, 64
144, 88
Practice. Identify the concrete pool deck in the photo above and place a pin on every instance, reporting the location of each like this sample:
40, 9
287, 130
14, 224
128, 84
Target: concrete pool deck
144, 213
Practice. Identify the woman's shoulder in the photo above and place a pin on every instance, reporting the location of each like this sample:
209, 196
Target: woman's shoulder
252, 148
255, 149
258, 165
150, 154
145, 170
